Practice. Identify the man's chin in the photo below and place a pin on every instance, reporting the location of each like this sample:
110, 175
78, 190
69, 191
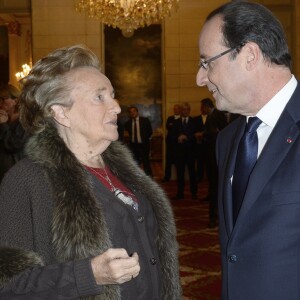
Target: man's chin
219, 103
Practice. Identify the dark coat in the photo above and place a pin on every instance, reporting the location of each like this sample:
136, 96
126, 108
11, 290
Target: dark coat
189, 130
199, 125
170, 129
52, 210
145, 129
261, 253
215, 122
12, 142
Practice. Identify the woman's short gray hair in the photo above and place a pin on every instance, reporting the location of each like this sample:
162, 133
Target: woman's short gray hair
46, 85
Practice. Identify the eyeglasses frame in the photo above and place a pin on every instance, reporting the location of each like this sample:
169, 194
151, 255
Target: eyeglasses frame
204, 63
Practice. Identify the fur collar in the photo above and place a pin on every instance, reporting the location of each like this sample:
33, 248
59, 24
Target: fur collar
69, 179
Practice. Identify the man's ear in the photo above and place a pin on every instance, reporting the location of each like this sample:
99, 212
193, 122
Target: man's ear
59, 115
253, 55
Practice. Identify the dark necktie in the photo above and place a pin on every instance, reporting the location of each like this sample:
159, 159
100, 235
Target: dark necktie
135, 132
245, 161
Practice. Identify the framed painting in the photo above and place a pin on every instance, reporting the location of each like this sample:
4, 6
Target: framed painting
133, 64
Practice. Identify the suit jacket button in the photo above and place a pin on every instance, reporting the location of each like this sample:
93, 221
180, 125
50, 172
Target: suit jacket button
153, 261
140, 219
232, 258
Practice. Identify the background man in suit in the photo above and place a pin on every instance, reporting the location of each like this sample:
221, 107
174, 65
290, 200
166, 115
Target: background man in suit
140, 131
12, 135
215, 122
170, 145
245, 63
199, 154
184, 130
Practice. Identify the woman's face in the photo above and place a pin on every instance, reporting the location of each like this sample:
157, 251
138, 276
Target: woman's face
93, 115
8, 105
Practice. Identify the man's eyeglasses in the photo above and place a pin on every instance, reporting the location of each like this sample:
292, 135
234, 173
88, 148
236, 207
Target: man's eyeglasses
205, 63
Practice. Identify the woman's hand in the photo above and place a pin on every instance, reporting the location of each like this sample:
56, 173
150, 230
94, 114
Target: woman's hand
115, 266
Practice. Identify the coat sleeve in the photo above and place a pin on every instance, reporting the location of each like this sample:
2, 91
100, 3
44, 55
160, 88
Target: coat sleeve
23, 275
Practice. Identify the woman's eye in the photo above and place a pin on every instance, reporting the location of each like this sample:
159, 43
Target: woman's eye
100, 97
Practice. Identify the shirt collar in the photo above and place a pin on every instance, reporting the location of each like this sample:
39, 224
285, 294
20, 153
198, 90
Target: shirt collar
270, 112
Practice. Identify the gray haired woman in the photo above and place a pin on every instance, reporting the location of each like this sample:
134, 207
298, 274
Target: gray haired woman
78, 217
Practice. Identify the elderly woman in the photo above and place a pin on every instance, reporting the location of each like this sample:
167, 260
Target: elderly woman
78, 217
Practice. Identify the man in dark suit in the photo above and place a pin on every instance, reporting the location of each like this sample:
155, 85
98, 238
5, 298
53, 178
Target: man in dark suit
246, 64
199, 153
170, 144
140, 132
184, 136
215, 122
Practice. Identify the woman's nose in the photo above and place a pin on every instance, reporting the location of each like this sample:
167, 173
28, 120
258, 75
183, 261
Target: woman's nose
116, 106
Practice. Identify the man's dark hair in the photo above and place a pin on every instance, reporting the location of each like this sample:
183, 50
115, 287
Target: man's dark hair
251, 22
134, 107
207, 102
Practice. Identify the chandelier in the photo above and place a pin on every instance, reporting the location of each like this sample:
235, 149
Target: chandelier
26, 69
127, 15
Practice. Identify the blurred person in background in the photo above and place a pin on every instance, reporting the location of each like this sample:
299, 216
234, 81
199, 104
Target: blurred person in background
215, 121
140, 132
200, 121
184, 137
170, 144
12, 134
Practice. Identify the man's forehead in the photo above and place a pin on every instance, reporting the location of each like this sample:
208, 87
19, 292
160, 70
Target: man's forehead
210, 35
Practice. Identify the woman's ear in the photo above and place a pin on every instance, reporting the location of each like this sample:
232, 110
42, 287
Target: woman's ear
58, 113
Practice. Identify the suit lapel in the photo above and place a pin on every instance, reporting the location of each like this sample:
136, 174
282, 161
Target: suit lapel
229, 169
276, 149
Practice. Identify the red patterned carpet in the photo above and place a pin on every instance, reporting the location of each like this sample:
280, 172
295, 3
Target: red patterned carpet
199, 247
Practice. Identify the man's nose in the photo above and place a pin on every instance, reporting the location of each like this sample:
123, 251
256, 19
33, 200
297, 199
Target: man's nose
201, 78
